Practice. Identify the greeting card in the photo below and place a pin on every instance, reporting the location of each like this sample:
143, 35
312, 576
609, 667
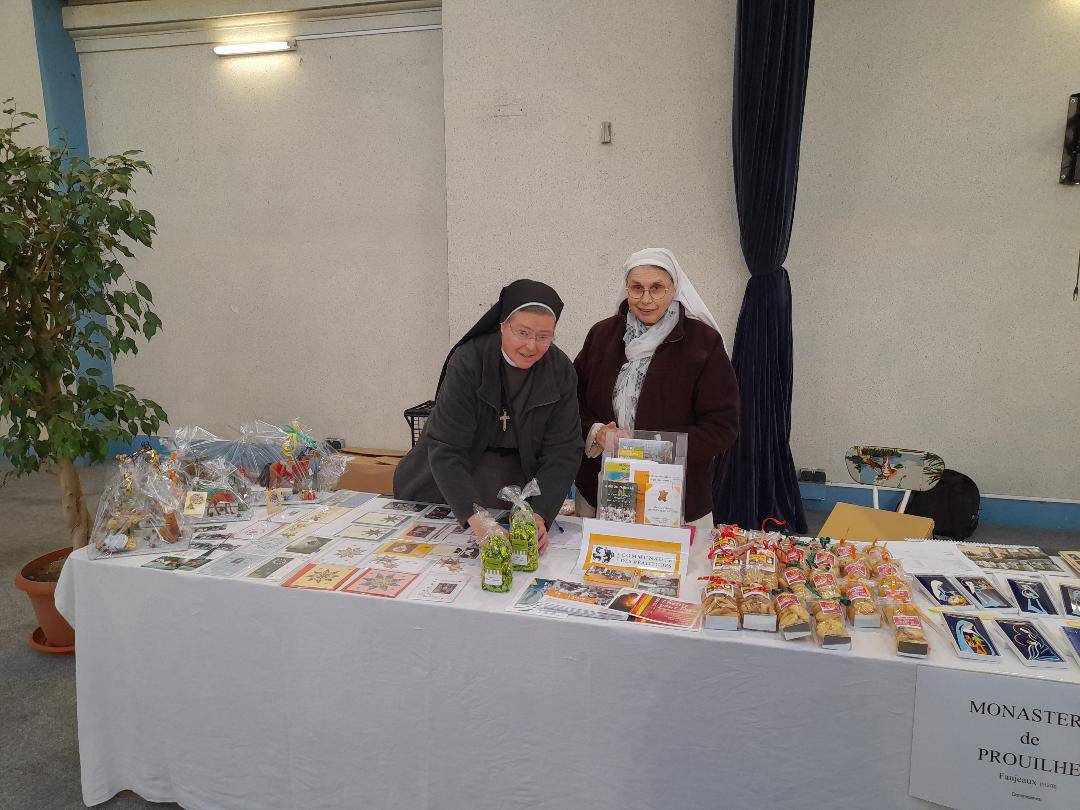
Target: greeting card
380, 582
320, 577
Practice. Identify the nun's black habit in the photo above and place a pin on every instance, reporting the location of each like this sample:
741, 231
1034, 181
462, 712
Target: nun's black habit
464, 454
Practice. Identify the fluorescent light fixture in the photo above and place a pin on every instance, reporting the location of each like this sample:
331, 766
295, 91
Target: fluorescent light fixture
244, 48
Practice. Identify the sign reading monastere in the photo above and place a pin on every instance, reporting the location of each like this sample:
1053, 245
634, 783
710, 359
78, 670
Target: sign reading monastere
995, 741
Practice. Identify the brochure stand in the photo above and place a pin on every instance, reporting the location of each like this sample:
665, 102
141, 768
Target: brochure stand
642, 477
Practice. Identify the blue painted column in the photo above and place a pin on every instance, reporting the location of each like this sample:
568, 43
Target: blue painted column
65, 115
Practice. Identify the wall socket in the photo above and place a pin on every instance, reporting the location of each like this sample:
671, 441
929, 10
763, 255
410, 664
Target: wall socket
812, 476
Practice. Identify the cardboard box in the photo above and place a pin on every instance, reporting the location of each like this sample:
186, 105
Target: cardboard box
862, 523
370, 470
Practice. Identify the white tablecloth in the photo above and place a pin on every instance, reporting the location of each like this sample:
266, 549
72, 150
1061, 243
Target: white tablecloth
217, 693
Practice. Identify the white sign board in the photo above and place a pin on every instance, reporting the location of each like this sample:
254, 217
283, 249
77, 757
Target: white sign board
985, 741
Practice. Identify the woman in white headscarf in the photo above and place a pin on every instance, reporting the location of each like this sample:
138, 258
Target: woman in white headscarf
658, 364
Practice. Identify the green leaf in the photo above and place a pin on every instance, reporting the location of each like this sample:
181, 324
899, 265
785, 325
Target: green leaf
144, 291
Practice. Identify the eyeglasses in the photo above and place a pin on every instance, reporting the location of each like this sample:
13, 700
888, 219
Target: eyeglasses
656, 291
525, 335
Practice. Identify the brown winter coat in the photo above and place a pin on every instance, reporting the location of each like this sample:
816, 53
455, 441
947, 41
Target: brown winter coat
690, 388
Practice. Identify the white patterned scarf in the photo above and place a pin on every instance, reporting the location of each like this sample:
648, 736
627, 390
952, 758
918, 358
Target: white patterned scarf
641, 340
641, 343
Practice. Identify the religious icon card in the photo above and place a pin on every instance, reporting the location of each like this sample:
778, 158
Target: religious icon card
440, 587
407, 548
423, 531
1069, 592
985, 593
1072, 636
408, 507
320, 577
384, 519
1031, 596
970, 638
380, 582
943, 592
1030, 645
439, 512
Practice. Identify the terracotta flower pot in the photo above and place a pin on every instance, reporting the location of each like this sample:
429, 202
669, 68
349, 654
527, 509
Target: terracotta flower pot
54, 635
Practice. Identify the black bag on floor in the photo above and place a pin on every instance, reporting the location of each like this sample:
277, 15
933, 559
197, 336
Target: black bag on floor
953, 504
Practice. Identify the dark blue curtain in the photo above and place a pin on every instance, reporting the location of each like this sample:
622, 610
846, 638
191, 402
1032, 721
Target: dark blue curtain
757, 478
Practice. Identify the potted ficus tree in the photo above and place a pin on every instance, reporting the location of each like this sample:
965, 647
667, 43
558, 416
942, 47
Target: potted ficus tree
66, 305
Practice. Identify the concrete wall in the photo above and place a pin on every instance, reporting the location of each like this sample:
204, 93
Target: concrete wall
300, 262
20, 76
537, 195
932, 256
934, 253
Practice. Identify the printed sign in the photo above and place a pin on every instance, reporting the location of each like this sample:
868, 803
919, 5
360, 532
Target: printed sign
982, 740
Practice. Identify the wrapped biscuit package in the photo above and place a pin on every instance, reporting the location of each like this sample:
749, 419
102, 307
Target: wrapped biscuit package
872, 555
856, 570
829, 625
728, 568
756, 607
862, 609
821, 559
888, 576
906, 623
720, 604
792, 617
761, 568
727, 540
825, 585
795, 580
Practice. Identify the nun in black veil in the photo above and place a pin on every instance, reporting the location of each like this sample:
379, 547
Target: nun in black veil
506, 412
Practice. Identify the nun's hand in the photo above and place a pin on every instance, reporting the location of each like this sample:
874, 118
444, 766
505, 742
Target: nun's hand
541, 534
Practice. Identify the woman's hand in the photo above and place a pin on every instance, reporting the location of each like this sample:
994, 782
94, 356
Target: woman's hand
601, 435
541, 534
